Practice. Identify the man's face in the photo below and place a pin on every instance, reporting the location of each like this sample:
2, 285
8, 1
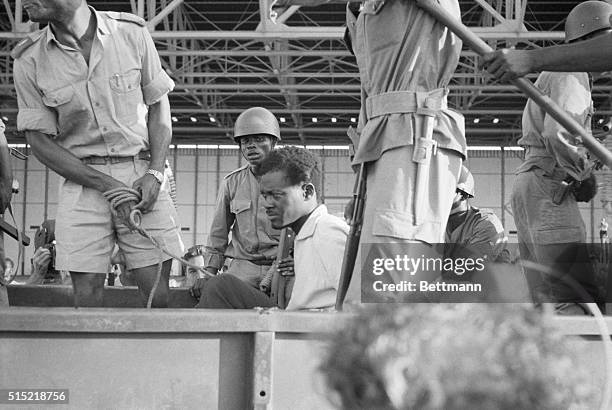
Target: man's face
196, 260
457, 200
44, 11
284, 203
255, 148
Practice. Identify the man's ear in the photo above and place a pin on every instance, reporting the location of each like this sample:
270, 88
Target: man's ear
309, 190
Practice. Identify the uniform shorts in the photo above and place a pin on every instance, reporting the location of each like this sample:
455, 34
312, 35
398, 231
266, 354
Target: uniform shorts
389, 213
390, 200
538, 219
86, 231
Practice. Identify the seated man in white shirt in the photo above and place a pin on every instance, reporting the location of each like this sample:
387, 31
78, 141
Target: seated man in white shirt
290, 185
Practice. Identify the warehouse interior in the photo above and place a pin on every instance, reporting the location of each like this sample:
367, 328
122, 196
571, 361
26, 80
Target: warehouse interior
225, 56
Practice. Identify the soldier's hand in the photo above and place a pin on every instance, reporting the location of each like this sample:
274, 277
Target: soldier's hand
285, 266
507, 65
148, 186
123, 212
348, 211
41, 260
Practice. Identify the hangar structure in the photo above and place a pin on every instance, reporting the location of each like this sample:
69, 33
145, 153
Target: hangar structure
226, 56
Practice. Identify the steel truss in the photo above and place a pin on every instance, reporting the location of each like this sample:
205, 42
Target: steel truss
226, 56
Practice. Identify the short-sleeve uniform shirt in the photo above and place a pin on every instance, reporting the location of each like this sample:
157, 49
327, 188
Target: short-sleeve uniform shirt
98, 108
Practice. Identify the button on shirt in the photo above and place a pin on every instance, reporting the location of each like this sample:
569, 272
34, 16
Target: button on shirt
572, 92
240, 210
97, 109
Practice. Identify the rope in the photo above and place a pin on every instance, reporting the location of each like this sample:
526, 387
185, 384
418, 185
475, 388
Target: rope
122, 195
20, 254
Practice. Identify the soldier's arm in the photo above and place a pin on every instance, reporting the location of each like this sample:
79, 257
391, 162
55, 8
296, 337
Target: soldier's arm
589, 55
218, 238
571, 92
160, 134
156, 84
6, 173
63, 162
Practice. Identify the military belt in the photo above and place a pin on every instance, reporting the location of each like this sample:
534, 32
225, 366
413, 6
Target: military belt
98, 160
398, 102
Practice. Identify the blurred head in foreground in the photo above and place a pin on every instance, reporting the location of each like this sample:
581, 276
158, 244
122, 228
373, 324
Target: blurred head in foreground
465, 356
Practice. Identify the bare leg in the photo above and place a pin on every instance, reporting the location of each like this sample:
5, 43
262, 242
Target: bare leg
145, 278
88, 289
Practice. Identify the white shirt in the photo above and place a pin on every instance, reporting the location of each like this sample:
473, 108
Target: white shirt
318, 252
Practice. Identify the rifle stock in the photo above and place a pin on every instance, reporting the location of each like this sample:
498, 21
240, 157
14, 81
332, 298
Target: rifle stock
13, 233
279, 282
352, 242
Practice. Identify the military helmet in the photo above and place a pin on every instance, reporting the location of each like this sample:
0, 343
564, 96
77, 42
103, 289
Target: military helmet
256, 121
465, 183
586, 18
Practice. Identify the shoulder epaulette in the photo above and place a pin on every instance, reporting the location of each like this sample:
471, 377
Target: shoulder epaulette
26, 43
121, 16
236, 171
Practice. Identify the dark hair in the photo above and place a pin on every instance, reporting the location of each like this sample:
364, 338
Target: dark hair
464, 356
299, 164
194, 251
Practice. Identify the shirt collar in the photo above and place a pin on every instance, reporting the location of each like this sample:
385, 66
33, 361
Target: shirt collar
100, 22
309, 226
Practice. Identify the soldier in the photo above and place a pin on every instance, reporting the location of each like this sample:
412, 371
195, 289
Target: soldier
473, 232
412, 143
586, 56
554, 176
240, 209
6, 192
291, 187
93, 103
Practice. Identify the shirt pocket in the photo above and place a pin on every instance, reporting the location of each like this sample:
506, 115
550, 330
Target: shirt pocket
241, 208
127, 95
66, 103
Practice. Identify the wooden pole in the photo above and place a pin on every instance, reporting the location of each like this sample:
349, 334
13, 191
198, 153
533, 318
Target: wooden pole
480, 47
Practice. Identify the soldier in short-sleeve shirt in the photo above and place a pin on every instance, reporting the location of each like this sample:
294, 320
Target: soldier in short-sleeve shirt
93, 103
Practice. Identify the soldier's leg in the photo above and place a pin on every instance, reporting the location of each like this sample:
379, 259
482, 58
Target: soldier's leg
521, 202
84, 241
141, 255
229, 292
88, 289
389, 208
574, 277
145, 279
247, 271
